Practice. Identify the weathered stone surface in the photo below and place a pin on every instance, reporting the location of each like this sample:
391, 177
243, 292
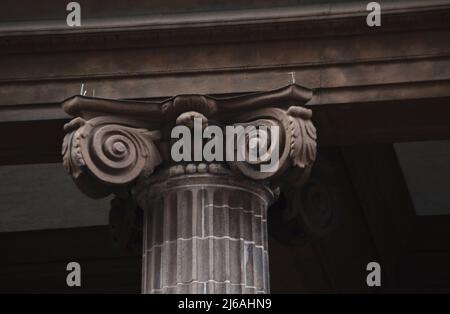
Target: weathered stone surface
206, 234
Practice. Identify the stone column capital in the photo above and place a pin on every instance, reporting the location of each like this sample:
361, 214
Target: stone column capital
111, 143
204, 220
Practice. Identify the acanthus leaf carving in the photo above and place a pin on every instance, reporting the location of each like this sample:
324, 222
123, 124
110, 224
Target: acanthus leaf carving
296, 141
71, 152
303, 137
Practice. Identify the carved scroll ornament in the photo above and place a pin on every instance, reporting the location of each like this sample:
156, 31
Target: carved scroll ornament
296, 142
106, 153
113, 143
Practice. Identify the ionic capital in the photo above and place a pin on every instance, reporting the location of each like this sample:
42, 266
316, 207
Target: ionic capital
111, 143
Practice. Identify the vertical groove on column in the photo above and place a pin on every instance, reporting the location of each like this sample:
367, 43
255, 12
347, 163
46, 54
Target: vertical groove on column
236, 232
145, 246
202, 248
226, 223
170, 244
188, 242
194, 244
209, 232
255, 260
219, 234
178, 243
265, 243
264, 266
153, 228
248, 246
242, 247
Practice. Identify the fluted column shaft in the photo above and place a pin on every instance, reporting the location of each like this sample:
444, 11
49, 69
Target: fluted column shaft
206, 233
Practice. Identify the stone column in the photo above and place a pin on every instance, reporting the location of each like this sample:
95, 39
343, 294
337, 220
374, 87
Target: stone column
206, 233
204, 225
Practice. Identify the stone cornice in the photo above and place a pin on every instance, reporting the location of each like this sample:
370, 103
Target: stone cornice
221, 25
327, 11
